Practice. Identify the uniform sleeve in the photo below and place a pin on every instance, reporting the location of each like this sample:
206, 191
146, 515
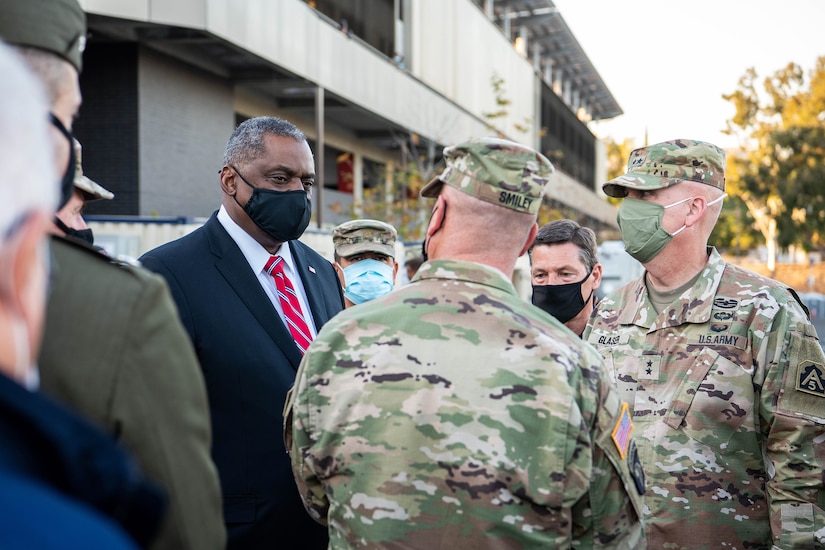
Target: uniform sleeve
299, 440
160, 408
793, 418
618, 481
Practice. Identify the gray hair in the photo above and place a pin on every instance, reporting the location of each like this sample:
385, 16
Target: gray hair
568, 231
55, 73
28, 184
247, 141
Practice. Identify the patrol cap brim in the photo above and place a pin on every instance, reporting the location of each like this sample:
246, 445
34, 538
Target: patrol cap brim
433, 187
91, 189
347, 250
617, 187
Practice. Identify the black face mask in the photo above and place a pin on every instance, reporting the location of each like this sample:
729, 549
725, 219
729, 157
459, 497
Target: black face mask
84, 235
67, 183
283, 215
561, 301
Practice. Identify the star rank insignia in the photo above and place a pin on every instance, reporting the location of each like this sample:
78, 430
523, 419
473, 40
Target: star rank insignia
649, 367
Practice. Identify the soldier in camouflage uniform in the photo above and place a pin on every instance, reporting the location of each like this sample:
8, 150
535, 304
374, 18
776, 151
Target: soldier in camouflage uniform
364, 254
721, 367
452, 414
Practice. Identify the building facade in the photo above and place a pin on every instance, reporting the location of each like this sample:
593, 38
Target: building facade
376, 85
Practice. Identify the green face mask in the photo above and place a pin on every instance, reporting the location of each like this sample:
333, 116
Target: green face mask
641, 225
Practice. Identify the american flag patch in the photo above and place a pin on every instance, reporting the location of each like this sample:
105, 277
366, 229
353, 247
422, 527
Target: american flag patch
621, 433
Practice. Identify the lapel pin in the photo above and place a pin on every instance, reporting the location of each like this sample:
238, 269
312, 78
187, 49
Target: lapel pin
311, 269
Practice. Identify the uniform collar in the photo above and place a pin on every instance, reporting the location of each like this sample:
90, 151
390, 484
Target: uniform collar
472, 272
693, 306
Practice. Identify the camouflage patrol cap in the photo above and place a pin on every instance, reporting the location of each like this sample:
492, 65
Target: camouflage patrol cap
495, 170
56, 26
357, 236
668, 163
91, 189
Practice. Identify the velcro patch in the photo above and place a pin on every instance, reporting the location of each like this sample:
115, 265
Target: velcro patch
635, 467
811, 378
621, 432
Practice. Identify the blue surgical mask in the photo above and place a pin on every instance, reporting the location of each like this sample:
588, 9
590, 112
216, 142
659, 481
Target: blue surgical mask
367, 280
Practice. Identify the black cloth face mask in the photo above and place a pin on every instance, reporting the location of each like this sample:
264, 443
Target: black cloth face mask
84, 235
67, 183
561, 301
283, 215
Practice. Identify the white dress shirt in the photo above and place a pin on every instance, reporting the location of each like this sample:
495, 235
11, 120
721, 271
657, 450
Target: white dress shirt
257, 256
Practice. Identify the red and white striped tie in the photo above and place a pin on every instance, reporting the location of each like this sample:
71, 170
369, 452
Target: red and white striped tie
289, 303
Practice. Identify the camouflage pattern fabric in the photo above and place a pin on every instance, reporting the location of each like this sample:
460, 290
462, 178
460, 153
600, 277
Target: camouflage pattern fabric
363, 235
452, 414
727, 387
668, 163
495, 170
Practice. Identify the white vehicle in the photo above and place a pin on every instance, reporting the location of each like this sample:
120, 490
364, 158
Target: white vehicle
618, 267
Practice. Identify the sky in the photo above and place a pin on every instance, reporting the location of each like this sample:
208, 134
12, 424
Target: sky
668, 63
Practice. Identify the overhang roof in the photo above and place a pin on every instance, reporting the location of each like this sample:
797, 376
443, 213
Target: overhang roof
550, 32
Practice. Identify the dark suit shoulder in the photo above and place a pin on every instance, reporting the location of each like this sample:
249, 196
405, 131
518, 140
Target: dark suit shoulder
310, 254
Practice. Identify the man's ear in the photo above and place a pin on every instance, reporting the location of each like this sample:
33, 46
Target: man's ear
340, 272
23, 270
597, 276
228, 182
698, 205
438, 216
530, 238
394, 270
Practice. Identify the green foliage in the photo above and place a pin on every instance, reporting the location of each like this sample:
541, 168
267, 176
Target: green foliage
780, 172
618, 154
399, 204
502, 109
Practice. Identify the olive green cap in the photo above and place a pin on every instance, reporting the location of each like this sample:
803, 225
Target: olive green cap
91, 189
358, 236
668, 163
56, 26
495, 170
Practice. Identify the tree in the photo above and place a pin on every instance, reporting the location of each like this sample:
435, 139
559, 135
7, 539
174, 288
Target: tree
780, 171
400, 204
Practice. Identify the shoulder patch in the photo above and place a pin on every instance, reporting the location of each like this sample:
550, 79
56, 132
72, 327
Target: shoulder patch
811, 378
635, 467
804, 384
622, 430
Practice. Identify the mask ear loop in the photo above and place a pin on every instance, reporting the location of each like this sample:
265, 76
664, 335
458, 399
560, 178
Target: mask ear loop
714, 201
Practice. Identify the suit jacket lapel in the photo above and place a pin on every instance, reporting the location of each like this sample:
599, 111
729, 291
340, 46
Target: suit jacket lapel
312, 285
233, 266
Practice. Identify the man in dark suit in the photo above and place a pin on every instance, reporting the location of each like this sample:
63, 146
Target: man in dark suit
251, 297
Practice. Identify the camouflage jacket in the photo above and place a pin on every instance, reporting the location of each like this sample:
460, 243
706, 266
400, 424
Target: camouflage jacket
726, 387
452, 414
